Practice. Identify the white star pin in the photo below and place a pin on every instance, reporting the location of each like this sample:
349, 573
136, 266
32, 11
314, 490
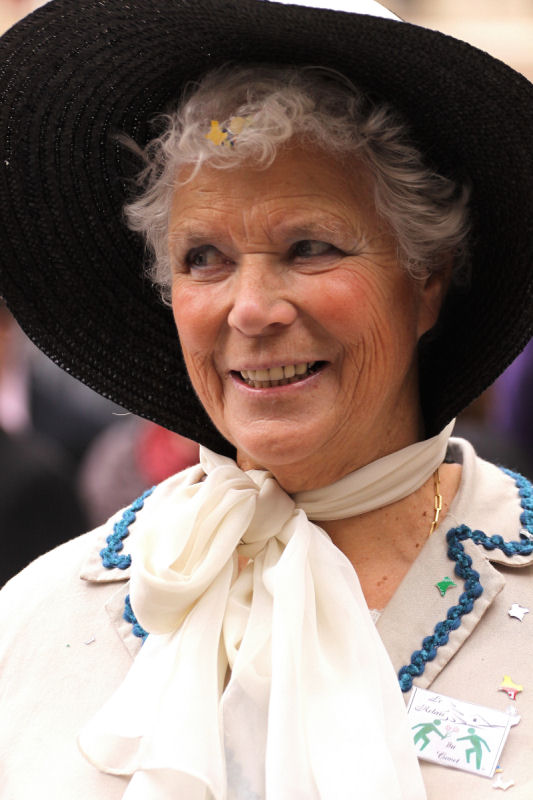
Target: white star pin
517, 611
499, 783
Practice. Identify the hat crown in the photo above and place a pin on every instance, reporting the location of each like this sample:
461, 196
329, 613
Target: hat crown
370, 7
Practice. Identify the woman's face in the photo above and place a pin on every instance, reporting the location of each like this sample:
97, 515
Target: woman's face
298, 326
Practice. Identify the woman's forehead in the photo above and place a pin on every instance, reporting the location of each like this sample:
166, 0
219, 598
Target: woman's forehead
279, 220
299, 181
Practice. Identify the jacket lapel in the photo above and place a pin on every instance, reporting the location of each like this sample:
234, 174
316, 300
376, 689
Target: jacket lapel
487, 500
93, 571
418, 606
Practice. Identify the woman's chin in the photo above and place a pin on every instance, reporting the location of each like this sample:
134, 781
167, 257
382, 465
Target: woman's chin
272, 451
295, 457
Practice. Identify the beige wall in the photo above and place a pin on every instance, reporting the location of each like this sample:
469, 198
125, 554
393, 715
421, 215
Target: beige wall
504, 28
13, 10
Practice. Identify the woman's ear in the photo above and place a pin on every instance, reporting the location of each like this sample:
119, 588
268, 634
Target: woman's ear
432, 293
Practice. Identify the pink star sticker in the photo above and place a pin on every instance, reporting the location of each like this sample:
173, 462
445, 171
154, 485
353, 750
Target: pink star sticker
510, 687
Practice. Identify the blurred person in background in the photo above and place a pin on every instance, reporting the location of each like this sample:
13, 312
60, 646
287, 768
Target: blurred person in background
499, 422
39, 503
125, 460
511, 409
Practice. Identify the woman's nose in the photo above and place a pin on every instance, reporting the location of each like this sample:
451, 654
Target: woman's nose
260, 304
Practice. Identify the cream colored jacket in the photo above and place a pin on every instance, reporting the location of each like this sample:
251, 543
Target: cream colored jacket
65, 647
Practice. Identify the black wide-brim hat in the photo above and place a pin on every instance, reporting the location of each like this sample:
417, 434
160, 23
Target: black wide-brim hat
76, 73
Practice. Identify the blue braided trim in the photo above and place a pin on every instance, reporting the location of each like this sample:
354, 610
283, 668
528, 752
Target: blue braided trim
110, 555
472, 587
525, 491
112, 559
130, 617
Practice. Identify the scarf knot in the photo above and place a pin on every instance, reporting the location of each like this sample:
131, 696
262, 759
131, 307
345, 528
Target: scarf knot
271, 683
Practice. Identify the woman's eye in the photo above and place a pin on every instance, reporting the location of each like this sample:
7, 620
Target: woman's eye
205, 256
311, 248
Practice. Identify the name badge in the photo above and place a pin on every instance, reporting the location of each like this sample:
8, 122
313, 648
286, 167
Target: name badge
457, 734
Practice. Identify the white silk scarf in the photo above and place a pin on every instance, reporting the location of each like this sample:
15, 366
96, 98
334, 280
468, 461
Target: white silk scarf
312, 709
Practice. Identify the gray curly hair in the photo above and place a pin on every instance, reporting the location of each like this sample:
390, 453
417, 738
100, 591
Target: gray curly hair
427, 212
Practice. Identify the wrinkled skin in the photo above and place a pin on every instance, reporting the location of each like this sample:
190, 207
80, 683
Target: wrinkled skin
287, 265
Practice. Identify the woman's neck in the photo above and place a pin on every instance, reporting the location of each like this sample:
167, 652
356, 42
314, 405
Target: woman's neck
382, 544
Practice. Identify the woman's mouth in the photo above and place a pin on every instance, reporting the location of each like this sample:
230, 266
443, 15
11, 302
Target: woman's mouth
279, 376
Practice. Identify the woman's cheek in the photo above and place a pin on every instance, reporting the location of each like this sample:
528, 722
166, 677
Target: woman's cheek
344, 302
206, 382
194, 313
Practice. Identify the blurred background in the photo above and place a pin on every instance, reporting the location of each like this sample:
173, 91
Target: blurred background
69, 458
503, 28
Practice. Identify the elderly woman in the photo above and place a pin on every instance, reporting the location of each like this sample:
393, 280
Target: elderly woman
335, 210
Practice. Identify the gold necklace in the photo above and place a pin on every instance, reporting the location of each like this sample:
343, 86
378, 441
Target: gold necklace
438, 501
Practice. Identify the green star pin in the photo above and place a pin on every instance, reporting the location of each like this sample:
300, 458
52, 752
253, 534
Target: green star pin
445, 584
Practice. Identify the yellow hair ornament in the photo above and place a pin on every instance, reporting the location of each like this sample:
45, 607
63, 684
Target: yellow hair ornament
226, 136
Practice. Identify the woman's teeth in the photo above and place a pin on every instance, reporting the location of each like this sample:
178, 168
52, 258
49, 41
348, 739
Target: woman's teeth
277, 376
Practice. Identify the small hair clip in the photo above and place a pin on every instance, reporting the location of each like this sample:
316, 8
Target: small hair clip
226, 135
